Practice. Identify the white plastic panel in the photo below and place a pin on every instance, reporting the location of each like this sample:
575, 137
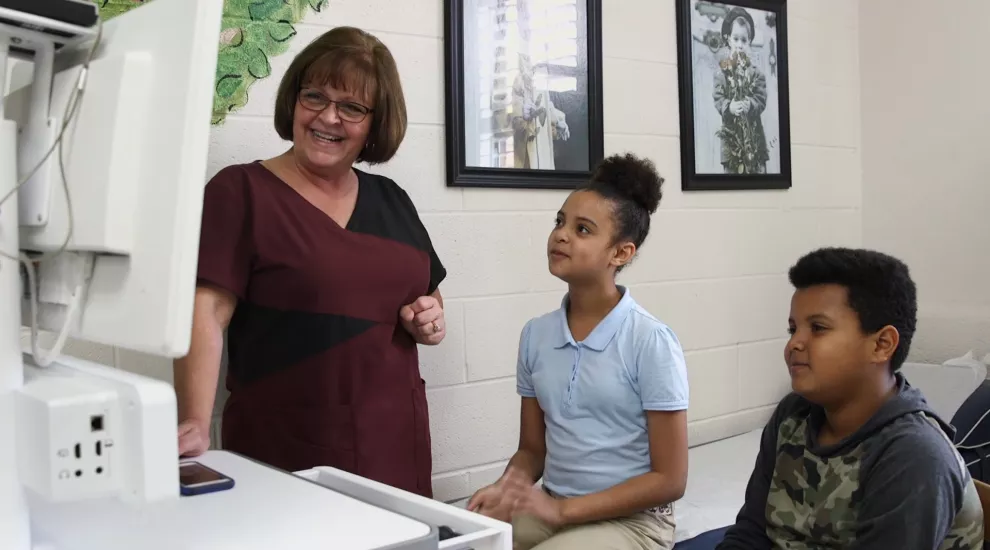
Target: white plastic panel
147, 132
36, 134
145, 441
102, 146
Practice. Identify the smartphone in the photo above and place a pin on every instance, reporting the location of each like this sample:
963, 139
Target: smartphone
196, 479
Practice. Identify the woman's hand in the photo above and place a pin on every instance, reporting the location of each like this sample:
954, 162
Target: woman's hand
194, 439
424, 320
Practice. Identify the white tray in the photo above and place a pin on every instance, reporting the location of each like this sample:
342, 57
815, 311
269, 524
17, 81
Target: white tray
478, 532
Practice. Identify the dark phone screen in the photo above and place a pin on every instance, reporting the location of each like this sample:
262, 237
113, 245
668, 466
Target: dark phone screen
193, 473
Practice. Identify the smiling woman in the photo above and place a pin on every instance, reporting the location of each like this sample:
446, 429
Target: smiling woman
325, 280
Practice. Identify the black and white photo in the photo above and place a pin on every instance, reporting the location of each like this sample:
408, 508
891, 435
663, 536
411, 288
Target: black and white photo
733, 93
523, 92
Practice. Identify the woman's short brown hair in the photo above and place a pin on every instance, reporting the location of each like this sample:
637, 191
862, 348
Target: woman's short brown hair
353, 60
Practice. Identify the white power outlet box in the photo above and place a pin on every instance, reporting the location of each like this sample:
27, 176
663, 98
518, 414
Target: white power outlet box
86, 430
65, 436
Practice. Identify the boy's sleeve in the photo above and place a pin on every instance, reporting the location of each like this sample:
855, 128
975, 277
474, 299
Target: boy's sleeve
750, 530
662, 373
524, 370
911, 493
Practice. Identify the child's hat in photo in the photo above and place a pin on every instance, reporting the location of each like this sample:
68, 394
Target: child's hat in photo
736, 13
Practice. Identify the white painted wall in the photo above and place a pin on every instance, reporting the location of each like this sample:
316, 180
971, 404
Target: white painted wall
926, 195
714, 266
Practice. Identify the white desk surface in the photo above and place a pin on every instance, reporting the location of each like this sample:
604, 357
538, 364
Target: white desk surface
266, 510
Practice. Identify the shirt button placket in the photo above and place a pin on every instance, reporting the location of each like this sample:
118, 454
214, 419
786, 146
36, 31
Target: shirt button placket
572, 382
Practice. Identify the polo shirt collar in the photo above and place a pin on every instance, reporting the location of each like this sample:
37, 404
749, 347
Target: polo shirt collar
600, 337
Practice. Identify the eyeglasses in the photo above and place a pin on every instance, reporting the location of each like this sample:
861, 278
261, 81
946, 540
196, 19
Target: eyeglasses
348, 111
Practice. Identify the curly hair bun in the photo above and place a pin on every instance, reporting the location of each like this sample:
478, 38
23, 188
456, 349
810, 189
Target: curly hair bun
632, 177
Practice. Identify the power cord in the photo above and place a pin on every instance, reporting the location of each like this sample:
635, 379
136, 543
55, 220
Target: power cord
45, 357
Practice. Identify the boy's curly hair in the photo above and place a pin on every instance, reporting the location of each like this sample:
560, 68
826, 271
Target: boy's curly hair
880, 289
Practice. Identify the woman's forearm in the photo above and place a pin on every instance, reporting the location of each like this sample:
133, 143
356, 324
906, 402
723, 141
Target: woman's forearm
197, 373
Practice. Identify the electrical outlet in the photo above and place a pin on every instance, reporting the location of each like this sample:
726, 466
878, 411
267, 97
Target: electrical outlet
124, 425
91, 454
65, 428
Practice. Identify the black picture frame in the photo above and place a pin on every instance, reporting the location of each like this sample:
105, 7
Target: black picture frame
718, 178
459, 174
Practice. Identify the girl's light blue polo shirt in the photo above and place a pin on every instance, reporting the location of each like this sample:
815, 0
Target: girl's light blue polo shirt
594, 393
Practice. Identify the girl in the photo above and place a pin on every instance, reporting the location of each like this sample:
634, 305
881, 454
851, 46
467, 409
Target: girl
604, 388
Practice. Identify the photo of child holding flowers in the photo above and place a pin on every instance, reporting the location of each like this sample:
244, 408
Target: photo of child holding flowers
735, 83
741, 97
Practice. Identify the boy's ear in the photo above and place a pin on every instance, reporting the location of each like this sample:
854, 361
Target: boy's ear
624, 253
886, 341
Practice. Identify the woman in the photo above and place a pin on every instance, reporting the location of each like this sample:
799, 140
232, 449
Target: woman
325, 280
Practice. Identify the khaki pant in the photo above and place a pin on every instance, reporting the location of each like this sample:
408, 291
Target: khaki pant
650, 530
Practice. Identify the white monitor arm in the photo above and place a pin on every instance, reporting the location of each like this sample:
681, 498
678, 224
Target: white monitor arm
40, 36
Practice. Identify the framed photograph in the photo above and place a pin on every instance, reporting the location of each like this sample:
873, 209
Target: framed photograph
735, 118
524, 92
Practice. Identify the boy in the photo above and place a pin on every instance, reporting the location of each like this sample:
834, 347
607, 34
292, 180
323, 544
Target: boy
855, 458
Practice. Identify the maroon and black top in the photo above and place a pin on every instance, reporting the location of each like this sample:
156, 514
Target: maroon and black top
321, 372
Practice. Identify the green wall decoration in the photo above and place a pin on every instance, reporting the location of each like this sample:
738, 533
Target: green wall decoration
252, 32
